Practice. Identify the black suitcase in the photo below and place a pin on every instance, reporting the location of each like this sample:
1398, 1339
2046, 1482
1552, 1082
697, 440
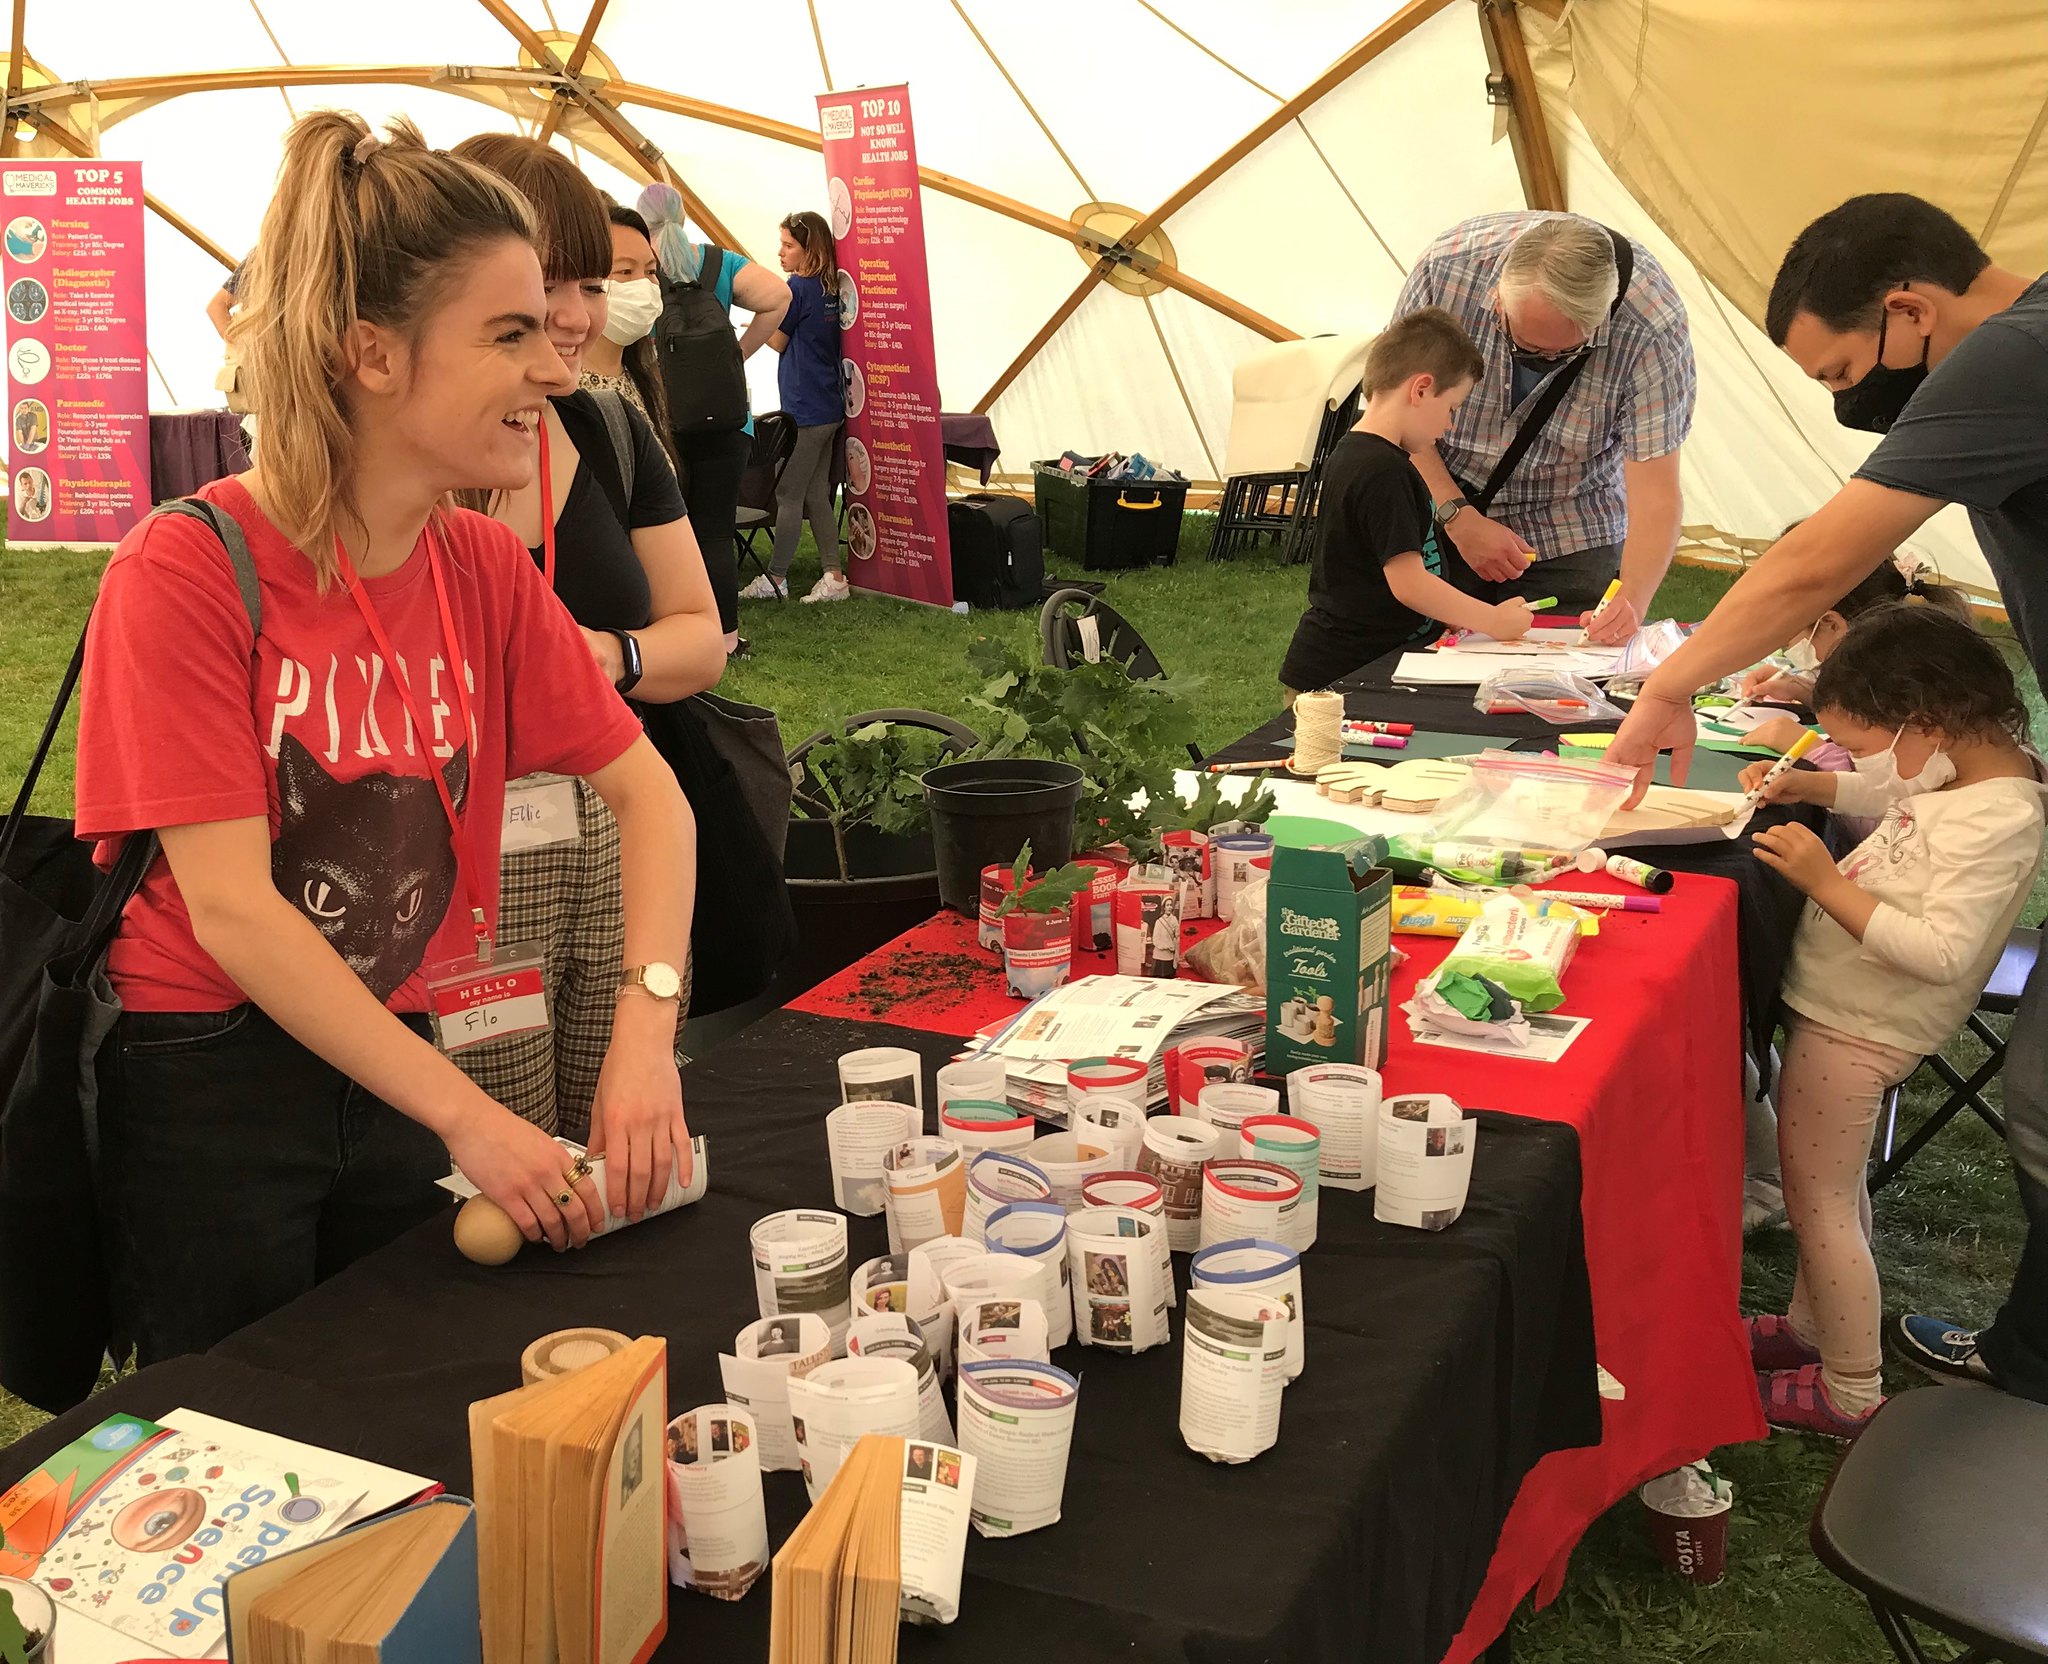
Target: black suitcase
998, 552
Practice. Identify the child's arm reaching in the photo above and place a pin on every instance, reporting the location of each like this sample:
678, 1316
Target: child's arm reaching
1420, 590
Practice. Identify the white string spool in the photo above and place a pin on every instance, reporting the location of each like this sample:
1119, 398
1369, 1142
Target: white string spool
1318, 731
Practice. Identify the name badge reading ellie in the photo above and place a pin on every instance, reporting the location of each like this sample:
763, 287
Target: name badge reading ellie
540, 814
472, 1003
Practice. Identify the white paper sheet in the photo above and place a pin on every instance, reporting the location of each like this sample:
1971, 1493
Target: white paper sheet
756, 1375
924, 1186
1036, 1232
892, 1335
857, 1137
1141, 1193
1550, 1037
995, 1178
1342, 1102
1292, 1143
832, 1408
800, 1266
678, 1194
1426, 1148
1017, 1421
1255, 1267
1461, 668
1233, 1373
993, 1327
1243, 1198
1114, 1268
938, 1499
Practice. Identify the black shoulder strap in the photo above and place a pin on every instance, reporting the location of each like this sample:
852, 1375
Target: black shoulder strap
618, 427
137, 854
710, 266
1557, 387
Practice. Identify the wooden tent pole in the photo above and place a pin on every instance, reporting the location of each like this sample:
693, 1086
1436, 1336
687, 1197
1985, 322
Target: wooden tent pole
561, 100
1507, 56
8, 141
75, 143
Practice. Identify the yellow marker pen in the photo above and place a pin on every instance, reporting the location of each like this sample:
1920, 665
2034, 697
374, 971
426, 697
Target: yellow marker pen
1799, 748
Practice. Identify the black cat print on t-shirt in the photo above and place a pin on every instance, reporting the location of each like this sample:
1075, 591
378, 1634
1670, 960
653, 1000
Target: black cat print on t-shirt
368, 860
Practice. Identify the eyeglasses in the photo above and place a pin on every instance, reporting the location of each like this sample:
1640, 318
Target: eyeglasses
1508, 329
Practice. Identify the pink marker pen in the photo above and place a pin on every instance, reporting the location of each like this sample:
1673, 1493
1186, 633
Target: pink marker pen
1595, 899
1384, 742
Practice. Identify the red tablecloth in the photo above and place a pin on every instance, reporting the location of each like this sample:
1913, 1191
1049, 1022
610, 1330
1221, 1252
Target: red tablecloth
1654, 1090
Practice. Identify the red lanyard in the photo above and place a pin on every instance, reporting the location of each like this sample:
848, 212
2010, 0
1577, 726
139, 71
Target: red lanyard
471, 896
547, 505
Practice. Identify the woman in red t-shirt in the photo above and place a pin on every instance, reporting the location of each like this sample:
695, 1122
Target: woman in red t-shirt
279, 1109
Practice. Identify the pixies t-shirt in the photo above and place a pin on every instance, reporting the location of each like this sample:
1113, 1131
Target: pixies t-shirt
179, 725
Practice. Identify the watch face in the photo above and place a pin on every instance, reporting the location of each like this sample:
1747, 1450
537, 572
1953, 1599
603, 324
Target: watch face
664, 982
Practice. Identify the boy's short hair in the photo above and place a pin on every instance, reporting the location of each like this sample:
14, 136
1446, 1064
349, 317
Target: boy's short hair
1426, 342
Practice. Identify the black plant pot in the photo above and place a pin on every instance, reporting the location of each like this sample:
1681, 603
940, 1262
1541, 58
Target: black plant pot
984, 812
839, 920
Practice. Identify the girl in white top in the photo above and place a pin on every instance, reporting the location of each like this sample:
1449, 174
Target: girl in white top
1891, 955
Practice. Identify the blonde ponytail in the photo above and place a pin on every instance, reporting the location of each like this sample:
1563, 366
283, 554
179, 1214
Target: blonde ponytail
360, 229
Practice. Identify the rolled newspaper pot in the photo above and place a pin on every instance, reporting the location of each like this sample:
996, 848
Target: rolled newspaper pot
976, 1124
1253, 1267
936, 1498
1114, 1258
1247, 1198
800, 1266
993, 1327
911, 1285
1121, 1078
1037, 1233
1118, 1127
996, 883
1066, 1158
1017, 1422
832, 1408
995, 1177
1292, 1143
566, 1351
892, 1335
1426, 1146
717, 1519
977, 1079
924, 1191
1147, 910
1213, 1060
1094, 913
1233, 1373
1007, 1280
883, 1074
756, 1375
1187, 858
1228, 1104
1140, 1193
1342, 1102
1231, 857
1176, 1149
857, 1137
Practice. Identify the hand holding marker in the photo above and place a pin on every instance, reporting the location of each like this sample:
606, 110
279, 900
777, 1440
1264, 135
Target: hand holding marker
1613, 589
1799, 748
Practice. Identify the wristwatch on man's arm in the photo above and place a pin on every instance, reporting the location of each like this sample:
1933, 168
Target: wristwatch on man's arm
1449, 509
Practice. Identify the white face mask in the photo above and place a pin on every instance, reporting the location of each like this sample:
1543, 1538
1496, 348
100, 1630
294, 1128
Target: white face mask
634, 307
1802, 658
1882, 771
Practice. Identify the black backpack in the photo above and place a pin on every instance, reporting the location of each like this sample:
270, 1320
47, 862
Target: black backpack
701, 366
998, 552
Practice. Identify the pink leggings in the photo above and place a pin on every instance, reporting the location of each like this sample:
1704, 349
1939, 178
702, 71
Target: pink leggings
1829, 1094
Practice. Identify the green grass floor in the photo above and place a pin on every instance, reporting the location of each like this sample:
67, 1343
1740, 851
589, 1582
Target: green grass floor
1948, 1229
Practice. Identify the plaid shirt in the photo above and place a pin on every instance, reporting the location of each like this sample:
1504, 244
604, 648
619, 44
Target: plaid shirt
1634, 398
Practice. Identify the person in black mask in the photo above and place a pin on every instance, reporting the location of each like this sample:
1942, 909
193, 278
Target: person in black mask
1893, 307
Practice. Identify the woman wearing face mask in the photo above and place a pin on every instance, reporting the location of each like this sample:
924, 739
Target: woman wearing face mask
621, 358
1891, 955
329, 794
627, 568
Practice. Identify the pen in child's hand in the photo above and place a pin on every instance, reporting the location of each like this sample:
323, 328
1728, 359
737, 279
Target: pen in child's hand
1543, 605
1798, 748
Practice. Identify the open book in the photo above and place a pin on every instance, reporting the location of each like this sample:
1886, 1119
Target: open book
571, 1551
399, 1590
885, 1541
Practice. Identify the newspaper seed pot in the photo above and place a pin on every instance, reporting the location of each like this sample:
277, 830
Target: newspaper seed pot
996, 882
1038, 951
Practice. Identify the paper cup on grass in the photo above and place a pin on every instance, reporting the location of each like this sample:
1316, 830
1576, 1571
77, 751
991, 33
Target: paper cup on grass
1036, 1232
800, 1266
1292, 1143
1194, 1064
995, 1177
833, 1408
977, 1125
1250, 1266
924, 1183
1115, 1258
1066, 1158
718, 1522
1176, 1149
978, 1079
1247, 1198
1118, 1127
1688, 1518
1228, 1104
883, 1074
857, 1137
1122, 1079
1017, 1422
1233, 1373
1139, 1193
1342, 1102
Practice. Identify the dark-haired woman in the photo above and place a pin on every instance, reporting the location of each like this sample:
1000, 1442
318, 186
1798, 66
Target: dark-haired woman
621, 358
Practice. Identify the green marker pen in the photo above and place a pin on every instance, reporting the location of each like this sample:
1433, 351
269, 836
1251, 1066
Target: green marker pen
1543, 605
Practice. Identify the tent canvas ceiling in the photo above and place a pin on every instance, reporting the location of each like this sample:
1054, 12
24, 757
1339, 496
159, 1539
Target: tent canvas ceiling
1353, 133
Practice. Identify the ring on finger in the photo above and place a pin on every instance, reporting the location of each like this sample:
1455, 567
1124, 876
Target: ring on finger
580, 1168
562, 1199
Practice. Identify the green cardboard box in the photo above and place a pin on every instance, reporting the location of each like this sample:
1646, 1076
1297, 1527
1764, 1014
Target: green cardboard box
1329, 952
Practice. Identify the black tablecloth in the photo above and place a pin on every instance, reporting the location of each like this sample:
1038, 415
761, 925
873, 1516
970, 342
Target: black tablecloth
1768, 907
1439, 1368
190, 448
968, 437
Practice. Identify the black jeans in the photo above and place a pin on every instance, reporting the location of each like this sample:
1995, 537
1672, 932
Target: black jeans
2016, 1345
237, 1170
1578, 580
711, 466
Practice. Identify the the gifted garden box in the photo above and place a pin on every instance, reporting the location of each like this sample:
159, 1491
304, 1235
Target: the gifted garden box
1329, 948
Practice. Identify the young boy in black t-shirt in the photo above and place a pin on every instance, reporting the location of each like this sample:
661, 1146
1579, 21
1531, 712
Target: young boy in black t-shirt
1377, 582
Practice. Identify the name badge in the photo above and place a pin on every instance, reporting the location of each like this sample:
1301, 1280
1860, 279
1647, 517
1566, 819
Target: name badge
472, 1003
540, 814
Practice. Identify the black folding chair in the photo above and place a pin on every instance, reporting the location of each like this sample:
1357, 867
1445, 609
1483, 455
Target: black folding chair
1072, 619
1282, 506
1936, 1516
774, 441
2001, 999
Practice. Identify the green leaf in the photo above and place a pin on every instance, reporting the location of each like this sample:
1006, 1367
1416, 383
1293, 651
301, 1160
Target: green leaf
13, 1638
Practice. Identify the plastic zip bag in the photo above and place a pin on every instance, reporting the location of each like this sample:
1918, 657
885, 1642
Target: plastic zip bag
1557, 696
1540, 808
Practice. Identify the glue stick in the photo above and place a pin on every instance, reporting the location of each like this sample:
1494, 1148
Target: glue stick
1592, 860
1654, 879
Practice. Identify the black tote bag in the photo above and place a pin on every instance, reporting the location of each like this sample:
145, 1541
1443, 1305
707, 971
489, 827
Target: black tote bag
58, 914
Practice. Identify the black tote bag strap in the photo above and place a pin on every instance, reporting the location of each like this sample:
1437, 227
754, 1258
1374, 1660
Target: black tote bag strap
1558, 387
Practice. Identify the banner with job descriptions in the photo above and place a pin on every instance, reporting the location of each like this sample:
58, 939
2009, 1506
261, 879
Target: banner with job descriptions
895, 463
77, 359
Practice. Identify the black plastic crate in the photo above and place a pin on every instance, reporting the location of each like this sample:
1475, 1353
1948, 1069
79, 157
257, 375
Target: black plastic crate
1107, 525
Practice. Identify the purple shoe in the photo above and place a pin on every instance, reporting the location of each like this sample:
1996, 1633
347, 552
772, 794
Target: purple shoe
1773, 1344
1798, 1399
